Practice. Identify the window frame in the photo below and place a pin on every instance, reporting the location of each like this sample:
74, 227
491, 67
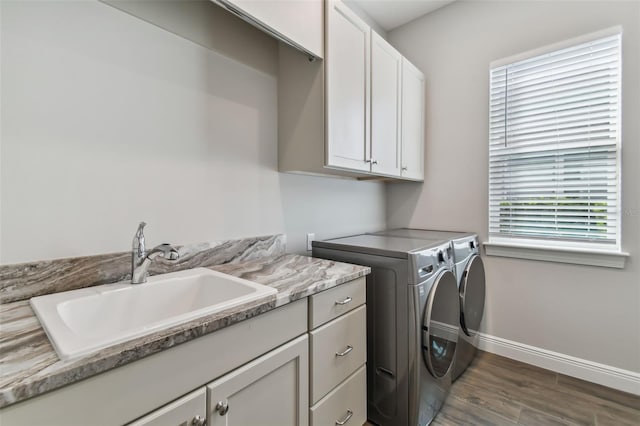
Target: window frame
556, 250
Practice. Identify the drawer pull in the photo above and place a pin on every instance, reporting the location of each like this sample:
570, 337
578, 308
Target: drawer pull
345, 418
344, 301
345, 352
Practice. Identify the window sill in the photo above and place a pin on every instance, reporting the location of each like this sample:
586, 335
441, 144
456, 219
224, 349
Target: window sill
606, 259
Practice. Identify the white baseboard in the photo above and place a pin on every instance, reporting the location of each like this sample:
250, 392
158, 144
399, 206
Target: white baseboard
606, 375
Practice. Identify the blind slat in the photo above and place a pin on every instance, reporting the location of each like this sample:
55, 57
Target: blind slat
599, 110
586, 71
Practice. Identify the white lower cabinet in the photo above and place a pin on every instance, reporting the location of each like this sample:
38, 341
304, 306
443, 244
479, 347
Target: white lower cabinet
253, 388
345, 405
338, 354
190, 410
153, 386
338, 348
330, 304
272, 390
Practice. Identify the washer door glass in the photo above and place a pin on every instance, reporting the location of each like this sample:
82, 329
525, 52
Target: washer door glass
472, 296
440, 325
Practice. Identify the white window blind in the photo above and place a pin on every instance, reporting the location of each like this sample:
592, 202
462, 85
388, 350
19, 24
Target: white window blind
554, 147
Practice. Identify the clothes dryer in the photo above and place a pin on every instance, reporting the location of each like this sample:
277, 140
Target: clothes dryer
412, 323
469, 271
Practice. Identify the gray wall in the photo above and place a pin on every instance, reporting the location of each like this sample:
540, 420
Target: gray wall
366, 18
587, 312
108, 120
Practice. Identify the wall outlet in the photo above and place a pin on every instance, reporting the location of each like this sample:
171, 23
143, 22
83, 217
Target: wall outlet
310, 237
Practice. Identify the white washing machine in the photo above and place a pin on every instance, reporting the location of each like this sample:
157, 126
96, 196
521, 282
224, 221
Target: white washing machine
469, 271
412, 323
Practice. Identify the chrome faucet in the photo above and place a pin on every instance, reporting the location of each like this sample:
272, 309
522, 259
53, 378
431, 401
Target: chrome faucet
140, 259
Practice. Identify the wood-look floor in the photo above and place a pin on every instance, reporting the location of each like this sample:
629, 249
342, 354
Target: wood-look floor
499, 391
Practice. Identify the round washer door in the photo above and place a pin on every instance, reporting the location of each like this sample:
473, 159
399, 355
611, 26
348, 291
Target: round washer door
472, 296
440, 325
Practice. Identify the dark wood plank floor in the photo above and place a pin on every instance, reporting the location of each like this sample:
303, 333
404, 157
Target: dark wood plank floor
500, 391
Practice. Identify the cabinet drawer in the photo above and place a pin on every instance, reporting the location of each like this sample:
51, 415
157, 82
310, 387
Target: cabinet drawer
347, 403
330, 304
337, 350
184, 411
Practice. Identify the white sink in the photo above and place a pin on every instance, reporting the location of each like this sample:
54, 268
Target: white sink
83, 321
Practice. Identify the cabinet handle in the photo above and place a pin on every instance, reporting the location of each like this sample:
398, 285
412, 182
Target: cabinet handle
198, 421
374, 161
345, 352
345, 418
222, 407
404, 169
371, 161
344, 301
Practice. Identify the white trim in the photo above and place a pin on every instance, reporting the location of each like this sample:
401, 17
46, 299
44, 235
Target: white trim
608, 259
444, 330
606, 375
557, 46
542, 243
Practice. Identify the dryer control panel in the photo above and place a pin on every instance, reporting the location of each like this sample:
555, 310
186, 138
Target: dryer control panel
428, 262
465, 247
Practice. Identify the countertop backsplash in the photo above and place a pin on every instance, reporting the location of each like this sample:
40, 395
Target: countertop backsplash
25, 280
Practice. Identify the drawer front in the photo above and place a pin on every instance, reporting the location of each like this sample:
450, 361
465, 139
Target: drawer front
330, 304
346, 404
337, 350
184, 411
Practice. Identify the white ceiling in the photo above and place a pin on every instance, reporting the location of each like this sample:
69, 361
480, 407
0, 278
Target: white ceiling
390, 14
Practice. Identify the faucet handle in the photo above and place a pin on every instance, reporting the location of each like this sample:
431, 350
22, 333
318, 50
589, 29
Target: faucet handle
140, 230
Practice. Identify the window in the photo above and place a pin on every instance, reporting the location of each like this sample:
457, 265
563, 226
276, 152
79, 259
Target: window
554, 145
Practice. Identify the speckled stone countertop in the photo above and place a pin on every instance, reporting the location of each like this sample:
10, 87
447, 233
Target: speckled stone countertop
29, 365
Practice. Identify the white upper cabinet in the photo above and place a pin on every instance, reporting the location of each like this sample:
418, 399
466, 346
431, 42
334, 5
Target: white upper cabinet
347, 89
412, 119
358, 113
386, 68
299, 23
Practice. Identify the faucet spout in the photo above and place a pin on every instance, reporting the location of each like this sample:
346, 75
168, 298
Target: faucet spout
138, 239
141, 260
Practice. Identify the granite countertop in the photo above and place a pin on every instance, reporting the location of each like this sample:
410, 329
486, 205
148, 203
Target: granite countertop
29, 366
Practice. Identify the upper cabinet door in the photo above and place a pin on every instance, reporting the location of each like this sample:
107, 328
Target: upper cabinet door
298, 23
386, 68
347, 89
412, 148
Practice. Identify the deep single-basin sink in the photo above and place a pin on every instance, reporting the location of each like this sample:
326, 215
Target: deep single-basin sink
83, 321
